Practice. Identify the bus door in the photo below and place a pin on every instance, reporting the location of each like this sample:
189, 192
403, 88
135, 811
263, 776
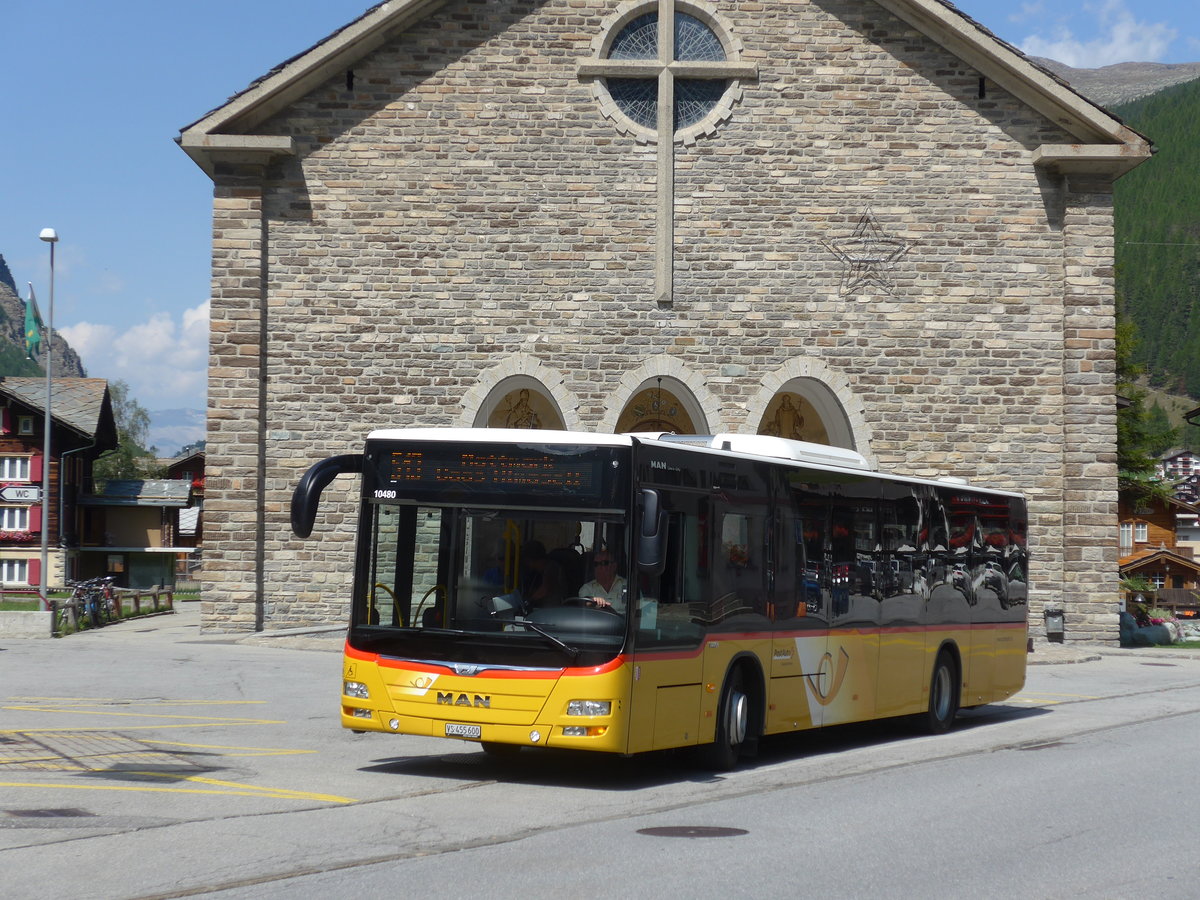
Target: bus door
740, 570
849, 668
669, 630
801, 601
903, 517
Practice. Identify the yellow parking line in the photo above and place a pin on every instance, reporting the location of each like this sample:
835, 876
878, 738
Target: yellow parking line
141, 715
251, 751
243, 790
149, 701
1038, 699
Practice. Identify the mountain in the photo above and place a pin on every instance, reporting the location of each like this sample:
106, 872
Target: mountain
1158, 238
170, 429
12, 338
1124, 82
1157, 212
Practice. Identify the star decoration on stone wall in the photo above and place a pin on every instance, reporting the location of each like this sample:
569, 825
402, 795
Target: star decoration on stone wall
869, 254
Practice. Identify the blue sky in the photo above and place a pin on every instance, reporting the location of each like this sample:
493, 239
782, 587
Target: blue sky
1092, 33
105, 87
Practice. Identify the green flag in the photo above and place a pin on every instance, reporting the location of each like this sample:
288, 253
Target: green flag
33, 325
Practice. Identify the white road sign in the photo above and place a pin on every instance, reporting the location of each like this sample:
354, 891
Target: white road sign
12, 494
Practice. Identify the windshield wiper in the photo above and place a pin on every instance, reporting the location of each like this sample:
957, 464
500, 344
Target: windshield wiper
573, 652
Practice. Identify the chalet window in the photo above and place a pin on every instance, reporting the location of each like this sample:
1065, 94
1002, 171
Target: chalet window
14, 571
1141, 532
25, 425
14, 518
1126, 535
14, 468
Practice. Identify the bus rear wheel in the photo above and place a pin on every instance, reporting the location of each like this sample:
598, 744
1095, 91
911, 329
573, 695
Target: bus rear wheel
943, 695
733, 724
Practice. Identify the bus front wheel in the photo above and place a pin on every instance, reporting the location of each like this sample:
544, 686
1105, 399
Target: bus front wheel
943, 695
733, 724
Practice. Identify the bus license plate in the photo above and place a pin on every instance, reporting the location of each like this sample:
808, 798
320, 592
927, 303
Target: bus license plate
465, 731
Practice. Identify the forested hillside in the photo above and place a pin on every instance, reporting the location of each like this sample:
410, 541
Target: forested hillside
1158, 238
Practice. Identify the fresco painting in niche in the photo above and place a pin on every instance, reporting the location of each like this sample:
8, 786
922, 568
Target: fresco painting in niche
655, 409
525, 408
790, 416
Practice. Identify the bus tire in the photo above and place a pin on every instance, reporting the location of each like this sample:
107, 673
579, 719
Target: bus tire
733, 724
943, 695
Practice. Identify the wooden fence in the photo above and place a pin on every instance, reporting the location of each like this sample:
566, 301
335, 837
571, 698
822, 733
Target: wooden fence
130, 602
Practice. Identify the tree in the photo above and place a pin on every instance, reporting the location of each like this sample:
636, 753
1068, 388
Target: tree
131, 459
1137, 434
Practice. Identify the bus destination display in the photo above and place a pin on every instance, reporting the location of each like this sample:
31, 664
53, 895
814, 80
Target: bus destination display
489, 470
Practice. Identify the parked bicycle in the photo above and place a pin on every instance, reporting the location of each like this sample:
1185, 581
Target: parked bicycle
94, 601
108, 596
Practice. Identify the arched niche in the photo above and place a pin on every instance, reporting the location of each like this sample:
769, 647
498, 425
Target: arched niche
519, 402
793, 416
661, 404
808, 390
639, 390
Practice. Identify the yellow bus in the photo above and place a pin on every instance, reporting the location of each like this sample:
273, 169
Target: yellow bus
630, 593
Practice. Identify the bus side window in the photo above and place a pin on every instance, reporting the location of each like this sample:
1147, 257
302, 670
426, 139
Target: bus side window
667, 602
739, 567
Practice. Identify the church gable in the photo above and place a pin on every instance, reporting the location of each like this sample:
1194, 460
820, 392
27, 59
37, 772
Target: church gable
497, 144
863, 222
230, 132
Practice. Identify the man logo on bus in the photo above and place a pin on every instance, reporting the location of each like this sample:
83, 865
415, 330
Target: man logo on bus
448, 699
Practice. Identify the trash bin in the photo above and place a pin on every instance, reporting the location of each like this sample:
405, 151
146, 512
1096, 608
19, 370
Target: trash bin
1054, 625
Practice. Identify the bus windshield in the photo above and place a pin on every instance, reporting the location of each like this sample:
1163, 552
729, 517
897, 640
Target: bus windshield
527, 587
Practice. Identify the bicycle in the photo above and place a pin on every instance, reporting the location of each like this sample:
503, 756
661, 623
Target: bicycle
94, 601
109, 598
64, 617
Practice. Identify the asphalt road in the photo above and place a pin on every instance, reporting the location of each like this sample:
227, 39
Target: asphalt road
146, 760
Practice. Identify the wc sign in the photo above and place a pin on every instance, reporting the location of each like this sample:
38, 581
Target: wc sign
13, 494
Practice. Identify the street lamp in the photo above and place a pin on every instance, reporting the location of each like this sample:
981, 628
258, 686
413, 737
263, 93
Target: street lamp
50, 236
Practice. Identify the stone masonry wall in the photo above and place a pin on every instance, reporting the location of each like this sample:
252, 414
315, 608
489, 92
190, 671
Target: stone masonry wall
466, 203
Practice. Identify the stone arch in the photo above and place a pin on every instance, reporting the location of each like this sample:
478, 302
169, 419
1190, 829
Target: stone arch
521, 372
828, 395
671, 375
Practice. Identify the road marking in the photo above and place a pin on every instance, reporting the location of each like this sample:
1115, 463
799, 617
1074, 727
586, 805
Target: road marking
235, 789
95, 751
1037, 698
250, 751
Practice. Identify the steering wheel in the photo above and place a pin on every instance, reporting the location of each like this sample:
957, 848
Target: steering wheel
589, 603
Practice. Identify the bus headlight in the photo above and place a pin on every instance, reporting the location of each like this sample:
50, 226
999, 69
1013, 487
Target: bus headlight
584, 730
589, 708
356, 689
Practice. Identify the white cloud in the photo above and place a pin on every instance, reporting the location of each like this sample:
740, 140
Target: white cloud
1028, 11
163, 360
88, 340
1122, 39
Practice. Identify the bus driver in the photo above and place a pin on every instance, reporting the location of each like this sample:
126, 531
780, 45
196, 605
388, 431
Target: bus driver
607, 588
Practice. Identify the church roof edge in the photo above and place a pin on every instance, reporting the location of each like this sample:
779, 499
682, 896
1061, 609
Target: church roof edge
226, 131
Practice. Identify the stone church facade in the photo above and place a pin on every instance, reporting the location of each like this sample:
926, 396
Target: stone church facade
867, 223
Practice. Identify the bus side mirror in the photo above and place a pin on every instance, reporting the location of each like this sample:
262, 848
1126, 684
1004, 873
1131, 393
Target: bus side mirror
307, 495
652, 536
